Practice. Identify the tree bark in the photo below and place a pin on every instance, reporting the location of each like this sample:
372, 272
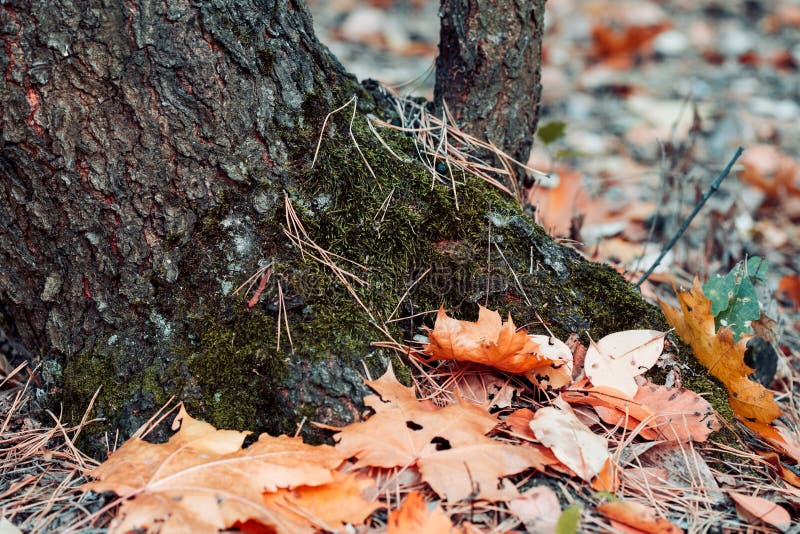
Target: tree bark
148, 155
489, 71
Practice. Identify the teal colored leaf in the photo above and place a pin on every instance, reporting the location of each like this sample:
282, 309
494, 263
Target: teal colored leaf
734, 302
757, 268
551, 132
719, 290
568, 520
743, 308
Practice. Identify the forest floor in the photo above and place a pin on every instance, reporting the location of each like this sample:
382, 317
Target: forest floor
655, 98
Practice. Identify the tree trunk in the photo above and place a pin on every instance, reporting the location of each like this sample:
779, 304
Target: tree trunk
148, 155
489, 71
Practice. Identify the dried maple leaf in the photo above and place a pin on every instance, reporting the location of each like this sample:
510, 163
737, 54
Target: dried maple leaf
447, 445
570, 440
201, 480
486, 341
637, 516
414, 516
329, 506
720, 354
616, 359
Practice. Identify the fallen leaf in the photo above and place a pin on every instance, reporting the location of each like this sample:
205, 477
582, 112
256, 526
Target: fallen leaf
7, 527
619, 47
720, 354
557, 205
783, 439
685, 470
538, 509
571, 441
447, 445
475, 385
789, 289
772, 171
678, 414
638, 516
488, 341
774, 461
757, 509
557, 373
201, 480
415, 516
329, 506
569, 520
519, 422
607, 479
616, 359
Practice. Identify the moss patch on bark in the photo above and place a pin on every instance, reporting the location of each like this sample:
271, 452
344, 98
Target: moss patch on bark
396, 222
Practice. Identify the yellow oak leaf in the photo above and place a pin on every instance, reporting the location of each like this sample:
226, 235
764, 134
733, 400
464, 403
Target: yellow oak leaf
720, 354
487, 341
202, 480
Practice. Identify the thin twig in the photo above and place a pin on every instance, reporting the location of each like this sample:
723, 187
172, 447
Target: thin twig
711, 190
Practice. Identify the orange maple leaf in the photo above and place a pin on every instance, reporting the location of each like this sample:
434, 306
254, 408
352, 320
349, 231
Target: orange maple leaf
414, 516
329, 506
720, 354
486, 341
201, 480
447, 445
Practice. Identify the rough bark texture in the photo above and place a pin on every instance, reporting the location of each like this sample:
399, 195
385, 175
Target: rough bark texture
488, 70
146, 153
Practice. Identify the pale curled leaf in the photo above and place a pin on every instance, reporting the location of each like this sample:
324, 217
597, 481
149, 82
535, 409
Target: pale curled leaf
616, 359
571, 441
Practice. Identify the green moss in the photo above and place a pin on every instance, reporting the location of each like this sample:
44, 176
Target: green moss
235, 367
396, 223
120, 389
